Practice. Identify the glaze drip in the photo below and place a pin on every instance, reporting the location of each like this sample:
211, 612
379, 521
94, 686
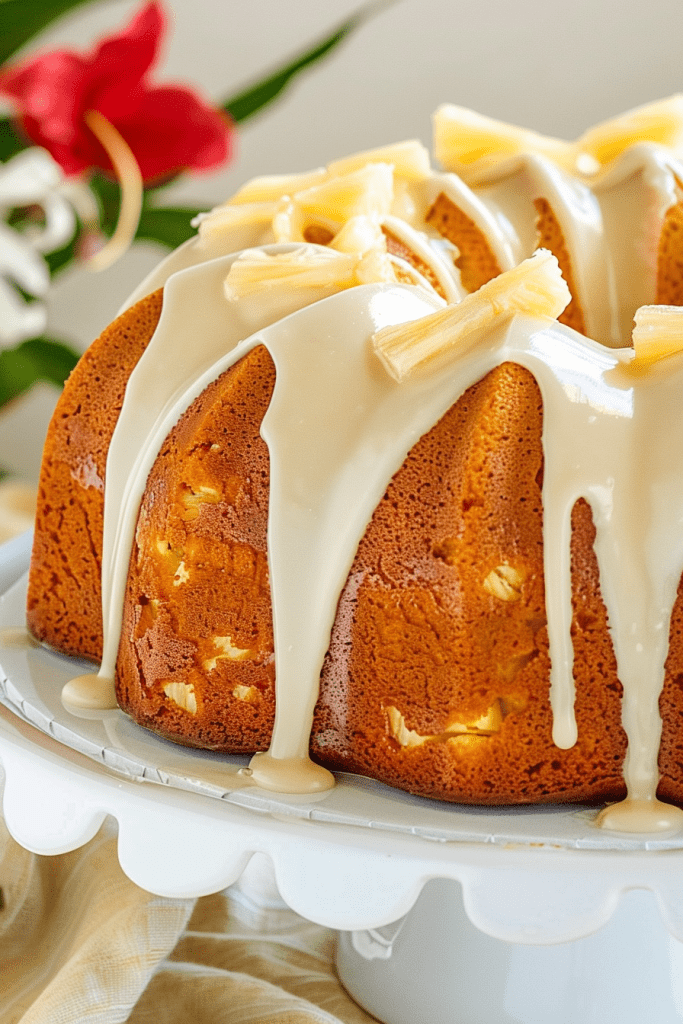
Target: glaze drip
610, 433
355, 425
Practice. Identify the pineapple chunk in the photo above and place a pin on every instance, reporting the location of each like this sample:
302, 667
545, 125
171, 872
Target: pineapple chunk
658, 333
307, 267
463, 138
368, 190
192, 500
359, 235
225, 218
365, 192
504, 582
660, 122
303, 268
404, 736
472, 144
535, 287
228, 652
183, 695
487, 724
249, 694
410, 160
272, 187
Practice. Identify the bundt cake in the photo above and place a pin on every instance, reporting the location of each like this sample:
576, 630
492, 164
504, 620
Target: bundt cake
367, 499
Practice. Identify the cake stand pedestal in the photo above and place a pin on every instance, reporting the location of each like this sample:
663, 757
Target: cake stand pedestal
437, 967
445, 914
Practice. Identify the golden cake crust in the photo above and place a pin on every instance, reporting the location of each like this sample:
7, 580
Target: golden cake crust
64, 593
197, 610
437, 676
442, 636
436, 679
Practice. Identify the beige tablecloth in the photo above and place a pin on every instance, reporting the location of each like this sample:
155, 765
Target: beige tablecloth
81, 943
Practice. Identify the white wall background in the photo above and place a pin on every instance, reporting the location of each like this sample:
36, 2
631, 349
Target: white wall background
555, 67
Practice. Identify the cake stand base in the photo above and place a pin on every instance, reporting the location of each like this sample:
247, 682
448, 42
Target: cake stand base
435, 966
525, 915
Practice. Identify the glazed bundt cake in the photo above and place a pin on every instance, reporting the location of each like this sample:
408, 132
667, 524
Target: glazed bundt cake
368, 500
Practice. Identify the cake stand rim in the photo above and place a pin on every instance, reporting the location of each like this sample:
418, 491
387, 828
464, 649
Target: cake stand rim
30, 688
329, 871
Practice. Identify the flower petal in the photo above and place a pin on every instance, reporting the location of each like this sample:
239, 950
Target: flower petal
168, 129
19, 320
54, 90
118, 66
20, 262
132, 52
28, 177
48, 91
173, 130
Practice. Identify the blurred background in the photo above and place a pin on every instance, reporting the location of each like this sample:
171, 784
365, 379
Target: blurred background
554, 67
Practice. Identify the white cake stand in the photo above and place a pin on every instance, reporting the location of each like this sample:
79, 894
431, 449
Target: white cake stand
447, 914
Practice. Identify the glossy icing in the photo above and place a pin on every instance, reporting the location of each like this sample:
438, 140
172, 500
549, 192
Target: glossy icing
607, 429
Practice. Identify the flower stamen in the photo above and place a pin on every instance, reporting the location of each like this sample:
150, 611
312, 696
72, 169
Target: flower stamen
128, 174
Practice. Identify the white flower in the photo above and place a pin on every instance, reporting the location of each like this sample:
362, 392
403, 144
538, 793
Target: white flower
32, 178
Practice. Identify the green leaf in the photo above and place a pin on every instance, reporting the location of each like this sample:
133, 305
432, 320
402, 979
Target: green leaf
11, 141
21, 20
61, 258
108, 195
252, 99
169, 225
43, 359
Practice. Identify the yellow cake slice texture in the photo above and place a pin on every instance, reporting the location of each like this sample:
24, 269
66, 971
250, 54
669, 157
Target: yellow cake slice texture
476, 261
670, 254
551, 237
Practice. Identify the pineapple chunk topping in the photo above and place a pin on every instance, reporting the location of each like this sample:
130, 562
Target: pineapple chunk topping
359, 235
463, 138
307, 267
315, 207
342, 208
535, 287
658, 333
409, 159
309, 207
365, 192
183, 695
472, 145
660, 122
224, 218
272, 187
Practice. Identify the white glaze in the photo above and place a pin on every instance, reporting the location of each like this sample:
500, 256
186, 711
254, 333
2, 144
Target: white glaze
353, 428
356, 426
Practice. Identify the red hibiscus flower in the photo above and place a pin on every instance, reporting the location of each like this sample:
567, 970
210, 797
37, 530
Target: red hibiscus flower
167, 128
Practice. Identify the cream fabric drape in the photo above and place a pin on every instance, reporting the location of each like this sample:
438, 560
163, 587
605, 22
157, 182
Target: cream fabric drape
82, 944
17, 508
